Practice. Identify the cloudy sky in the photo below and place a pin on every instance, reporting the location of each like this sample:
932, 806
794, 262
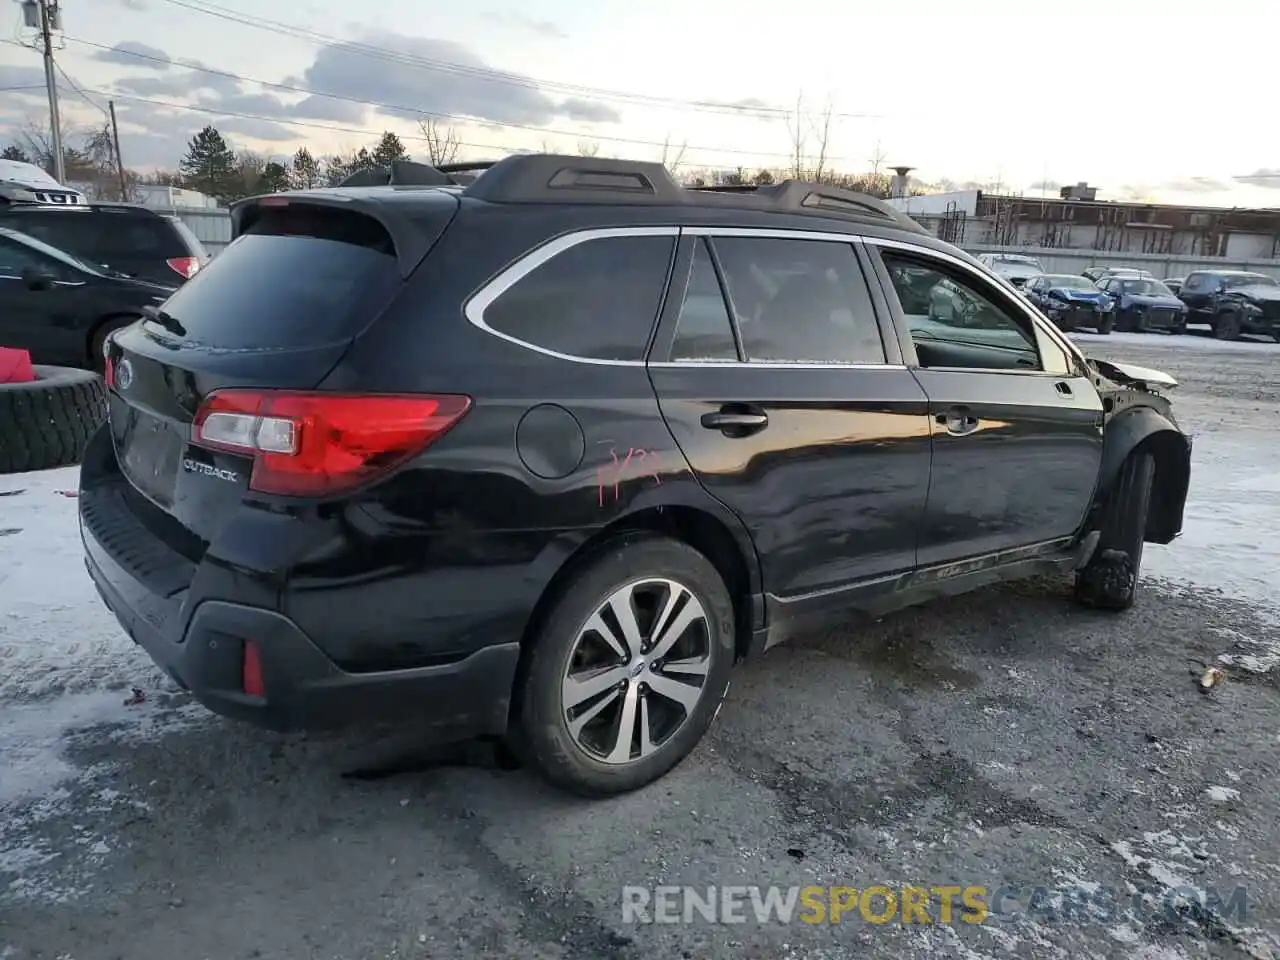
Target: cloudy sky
1024, 95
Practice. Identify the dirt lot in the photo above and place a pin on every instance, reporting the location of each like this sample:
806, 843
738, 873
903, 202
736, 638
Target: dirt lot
1005, 739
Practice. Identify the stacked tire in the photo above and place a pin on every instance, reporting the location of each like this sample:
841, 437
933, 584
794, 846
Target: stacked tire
47, 422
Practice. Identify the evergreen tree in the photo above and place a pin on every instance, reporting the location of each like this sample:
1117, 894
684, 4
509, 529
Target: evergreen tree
210, 165
305, 170
389, 149
274, 178
362, 160
15, 152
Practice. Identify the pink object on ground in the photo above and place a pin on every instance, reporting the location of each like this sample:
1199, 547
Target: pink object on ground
15, 366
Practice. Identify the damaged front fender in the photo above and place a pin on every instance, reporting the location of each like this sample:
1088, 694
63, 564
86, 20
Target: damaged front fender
1137, 414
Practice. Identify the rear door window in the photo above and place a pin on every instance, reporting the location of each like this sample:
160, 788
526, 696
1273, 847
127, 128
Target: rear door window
704, 331
298, 277
597, 300
799, 301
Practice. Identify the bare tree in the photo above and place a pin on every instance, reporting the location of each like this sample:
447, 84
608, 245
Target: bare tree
822, 130
877, 159
588, 148
671, 159
799, 131
442, 141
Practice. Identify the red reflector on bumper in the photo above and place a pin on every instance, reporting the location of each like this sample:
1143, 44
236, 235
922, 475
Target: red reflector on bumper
252, 679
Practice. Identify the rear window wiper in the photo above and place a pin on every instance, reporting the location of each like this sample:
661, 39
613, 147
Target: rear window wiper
166, 320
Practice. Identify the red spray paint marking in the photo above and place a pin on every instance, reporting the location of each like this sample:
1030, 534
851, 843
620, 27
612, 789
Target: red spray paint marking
632, 466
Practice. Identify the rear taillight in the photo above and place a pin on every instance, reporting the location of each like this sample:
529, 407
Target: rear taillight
109, 371
313, 444
186, 267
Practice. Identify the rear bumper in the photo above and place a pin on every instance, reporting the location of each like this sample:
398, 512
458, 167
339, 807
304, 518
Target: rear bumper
194, 619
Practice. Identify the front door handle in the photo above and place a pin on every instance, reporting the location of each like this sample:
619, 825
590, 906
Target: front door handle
959, 421
735, 420
1063, 388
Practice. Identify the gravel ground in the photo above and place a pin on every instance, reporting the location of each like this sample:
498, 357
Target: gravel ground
1005, 738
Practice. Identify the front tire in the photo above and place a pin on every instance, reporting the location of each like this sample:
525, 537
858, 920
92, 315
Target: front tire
1226, 325
1110, 579
629, 668
1106, 323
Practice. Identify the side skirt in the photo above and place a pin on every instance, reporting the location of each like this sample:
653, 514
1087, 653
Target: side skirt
789, 616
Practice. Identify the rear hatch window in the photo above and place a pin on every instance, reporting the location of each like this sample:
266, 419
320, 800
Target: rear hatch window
299, 276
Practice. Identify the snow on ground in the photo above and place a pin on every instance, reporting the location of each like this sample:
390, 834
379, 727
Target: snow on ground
65, 664
1231, 533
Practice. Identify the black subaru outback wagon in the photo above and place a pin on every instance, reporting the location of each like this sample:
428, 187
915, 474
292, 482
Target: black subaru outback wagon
544, 456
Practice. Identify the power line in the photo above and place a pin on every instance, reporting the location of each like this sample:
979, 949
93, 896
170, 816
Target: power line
76, 88
457, 118
497, 76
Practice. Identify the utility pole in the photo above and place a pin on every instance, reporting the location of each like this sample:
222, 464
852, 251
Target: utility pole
115, 139
48, 20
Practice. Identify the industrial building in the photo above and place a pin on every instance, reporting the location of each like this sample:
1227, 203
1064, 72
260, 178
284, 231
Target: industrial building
1076, 220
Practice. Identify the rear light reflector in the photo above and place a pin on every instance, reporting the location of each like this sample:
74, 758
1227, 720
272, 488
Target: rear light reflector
186, 267
251, 680
109, 371
315, 444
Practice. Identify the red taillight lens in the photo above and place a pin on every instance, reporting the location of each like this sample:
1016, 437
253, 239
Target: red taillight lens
109, 371
251, 678
186, 267
313, 444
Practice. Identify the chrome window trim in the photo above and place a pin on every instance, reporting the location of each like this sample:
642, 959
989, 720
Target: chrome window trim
1043, 328
774, 233
475, 307
505, 279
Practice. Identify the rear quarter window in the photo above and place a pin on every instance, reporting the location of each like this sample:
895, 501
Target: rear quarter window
296, 278
598, 299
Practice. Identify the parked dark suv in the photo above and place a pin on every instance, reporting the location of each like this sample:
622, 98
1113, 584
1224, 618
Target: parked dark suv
131, 239
1233, 302
61, 308
542, 457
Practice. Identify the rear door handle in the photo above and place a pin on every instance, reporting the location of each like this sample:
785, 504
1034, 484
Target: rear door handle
736, 420
959, 421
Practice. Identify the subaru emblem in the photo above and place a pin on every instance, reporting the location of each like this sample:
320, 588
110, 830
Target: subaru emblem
124, 375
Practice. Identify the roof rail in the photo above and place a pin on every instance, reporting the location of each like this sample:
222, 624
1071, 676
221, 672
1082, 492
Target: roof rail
466, 166
399, 173
552, 178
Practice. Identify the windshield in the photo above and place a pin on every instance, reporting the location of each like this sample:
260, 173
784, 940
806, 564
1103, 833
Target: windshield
1147, 288
1250, 280
1069, 282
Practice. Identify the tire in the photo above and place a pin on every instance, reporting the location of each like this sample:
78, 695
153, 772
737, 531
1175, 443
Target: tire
1106, 324
1179, 329
1110, 580
46, 423
589, 760
97, 361
1226, 325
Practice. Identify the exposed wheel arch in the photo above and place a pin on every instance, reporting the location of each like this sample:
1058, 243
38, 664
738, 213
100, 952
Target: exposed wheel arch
1148, 429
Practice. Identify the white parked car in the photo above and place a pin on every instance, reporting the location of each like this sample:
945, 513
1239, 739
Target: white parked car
26, 183
1015, 268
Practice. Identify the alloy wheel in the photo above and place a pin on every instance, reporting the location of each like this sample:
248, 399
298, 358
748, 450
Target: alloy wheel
637, 670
